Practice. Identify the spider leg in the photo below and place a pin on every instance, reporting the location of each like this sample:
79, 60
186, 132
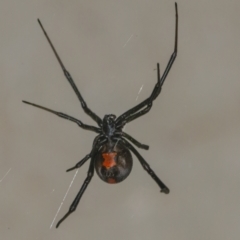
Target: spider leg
146, 167
133, 112
134, 116
80, 193
133, 140
63, 115
81, 162
174, 54
87, 180
70, 80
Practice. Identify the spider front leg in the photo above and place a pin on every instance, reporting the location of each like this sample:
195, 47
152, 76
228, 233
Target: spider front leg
70, 80
146, 167
65, 116
134, 113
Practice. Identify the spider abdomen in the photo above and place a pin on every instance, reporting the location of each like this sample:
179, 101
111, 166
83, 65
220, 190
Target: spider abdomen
114, 164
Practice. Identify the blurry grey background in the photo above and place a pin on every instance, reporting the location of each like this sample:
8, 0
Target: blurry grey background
111, 48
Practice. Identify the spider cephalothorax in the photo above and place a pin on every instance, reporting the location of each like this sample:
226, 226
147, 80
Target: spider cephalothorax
110, 154
109, 125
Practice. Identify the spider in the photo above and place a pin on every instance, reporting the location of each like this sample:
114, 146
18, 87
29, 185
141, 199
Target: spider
110, 154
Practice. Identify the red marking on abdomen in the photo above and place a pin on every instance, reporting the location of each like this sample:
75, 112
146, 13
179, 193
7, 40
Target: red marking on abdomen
109, 159
111, 180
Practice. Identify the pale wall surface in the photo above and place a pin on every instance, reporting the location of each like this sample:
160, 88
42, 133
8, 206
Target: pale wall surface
111, 49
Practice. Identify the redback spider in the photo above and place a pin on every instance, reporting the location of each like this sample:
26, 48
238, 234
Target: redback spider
110, 154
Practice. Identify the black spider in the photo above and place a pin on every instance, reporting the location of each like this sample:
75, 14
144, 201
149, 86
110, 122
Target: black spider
110, 154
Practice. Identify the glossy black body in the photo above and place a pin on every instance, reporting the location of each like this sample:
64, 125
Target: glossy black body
110, 154
122, 159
